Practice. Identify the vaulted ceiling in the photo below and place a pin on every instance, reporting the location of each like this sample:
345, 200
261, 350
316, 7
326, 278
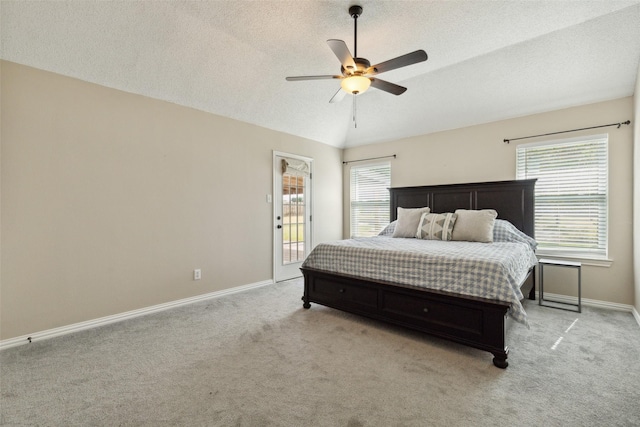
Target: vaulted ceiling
488, 60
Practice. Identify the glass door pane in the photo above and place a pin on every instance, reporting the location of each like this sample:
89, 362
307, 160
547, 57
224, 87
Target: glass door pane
293, 216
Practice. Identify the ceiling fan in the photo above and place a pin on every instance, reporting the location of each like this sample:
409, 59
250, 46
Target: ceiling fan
357, 73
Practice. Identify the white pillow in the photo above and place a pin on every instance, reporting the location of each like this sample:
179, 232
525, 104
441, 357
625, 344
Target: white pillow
408, 220
474, 226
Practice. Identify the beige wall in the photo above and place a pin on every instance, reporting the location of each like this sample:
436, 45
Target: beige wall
477, 153
110, 200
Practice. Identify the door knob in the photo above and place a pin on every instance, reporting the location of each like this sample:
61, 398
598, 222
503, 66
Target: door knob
279, 226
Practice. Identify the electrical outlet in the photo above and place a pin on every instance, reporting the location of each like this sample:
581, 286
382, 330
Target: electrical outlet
197, 274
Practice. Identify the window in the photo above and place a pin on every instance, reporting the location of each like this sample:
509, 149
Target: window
369, 199
571, 194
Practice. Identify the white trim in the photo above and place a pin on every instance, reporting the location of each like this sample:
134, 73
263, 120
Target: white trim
589, 302
602, 251
593, 262
89, 324
310, 232
636, 315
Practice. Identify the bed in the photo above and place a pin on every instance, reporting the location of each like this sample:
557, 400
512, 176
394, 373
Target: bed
480, 322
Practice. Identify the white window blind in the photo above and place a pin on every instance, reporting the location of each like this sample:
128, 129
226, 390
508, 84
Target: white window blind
571, 194
369, 199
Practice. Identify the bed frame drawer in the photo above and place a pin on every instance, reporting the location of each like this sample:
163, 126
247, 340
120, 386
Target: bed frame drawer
432, 313
343, 294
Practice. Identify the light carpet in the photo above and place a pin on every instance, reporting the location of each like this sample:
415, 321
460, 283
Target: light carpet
257, 358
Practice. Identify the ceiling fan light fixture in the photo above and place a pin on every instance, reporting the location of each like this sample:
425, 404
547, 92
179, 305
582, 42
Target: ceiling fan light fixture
357, 73
355, 84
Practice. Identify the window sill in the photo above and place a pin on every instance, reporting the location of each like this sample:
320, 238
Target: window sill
594, 262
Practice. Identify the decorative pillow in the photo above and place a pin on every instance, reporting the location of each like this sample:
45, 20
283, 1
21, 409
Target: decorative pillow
389, 229
475, 226
504, 231
408, 220
436, 226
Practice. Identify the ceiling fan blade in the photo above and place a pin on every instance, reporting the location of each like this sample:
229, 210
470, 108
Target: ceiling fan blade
400, 61
388, 87
339, 96
342, 52
298, 78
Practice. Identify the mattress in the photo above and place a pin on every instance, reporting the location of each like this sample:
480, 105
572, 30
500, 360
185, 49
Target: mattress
488, 270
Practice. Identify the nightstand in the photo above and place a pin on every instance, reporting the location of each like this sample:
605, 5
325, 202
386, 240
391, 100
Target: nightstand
558, 304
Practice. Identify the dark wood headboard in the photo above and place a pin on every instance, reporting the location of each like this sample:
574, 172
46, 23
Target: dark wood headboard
513, 200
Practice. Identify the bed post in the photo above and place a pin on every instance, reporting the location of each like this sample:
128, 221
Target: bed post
532, 292
500, 359
305, 296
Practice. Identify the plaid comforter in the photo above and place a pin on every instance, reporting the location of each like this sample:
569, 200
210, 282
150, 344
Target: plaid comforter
488, 270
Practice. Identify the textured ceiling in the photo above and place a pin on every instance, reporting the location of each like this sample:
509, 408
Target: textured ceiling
488, 60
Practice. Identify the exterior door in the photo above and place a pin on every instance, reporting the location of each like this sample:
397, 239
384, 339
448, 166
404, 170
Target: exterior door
292, 214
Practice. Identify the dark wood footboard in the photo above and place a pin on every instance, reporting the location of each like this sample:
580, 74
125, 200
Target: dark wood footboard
472, 321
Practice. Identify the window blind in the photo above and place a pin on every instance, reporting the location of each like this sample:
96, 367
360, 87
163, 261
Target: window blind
369, 199
571, 194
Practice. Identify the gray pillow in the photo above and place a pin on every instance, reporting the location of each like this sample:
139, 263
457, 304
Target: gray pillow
389, 229
475, 225
408, 220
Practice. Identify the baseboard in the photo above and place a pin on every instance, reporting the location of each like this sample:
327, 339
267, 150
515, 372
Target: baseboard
593, 303
588, 302
636, 315
76, 327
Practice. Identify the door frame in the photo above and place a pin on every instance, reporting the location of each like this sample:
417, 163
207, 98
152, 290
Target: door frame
308, 233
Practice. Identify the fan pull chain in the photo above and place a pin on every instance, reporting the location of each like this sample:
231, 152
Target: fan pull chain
355, 123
